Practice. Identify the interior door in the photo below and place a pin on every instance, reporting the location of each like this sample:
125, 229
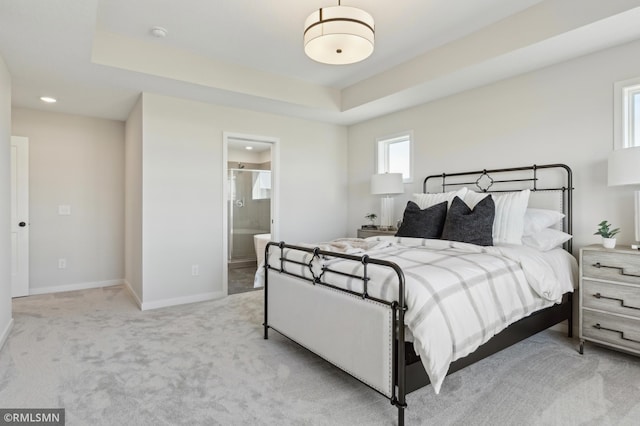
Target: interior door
19, 216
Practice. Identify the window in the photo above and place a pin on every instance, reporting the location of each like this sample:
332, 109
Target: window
627, 113
261, 185
394, 155
634, 127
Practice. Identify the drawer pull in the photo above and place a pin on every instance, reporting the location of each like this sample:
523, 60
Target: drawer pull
599, 327
599, 296
621, 270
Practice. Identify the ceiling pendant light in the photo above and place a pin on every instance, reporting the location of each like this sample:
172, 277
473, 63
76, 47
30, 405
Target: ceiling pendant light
339, 35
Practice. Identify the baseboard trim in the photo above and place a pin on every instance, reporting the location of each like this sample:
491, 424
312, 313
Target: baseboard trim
203, 297
74, 287
133, 294
145, 306
5, 334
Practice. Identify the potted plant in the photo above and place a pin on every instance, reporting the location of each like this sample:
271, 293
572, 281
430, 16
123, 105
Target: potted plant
607, 234
372, 217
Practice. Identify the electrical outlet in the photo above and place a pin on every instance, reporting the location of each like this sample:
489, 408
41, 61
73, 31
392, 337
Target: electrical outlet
62, 263
195, 270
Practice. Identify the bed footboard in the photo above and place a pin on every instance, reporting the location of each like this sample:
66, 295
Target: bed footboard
353, 331
356, 337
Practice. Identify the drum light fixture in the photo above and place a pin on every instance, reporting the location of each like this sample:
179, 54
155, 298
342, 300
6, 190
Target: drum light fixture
339, 35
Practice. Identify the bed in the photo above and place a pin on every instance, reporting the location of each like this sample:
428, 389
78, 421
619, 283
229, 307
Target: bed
398, 313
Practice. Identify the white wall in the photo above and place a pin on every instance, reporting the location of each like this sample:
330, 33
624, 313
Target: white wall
133, 202
560, 114
182, 188
76, 161
5, 201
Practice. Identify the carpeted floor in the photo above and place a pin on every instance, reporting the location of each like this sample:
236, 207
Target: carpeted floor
95, 354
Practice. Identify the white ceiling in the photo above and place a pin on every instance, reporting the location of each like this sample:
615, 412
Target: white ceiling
97, 56
243, 144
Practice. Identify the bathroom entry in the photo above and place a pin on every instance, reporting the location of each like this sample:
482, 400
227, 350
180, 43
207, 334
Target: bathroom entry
250, 207
249, 210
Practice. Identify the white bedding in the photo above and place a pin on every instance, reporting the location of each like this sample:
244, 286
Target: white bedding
458, 295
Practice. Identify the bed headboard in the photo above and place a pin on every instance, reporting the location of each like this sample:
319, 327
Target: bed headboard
551, 186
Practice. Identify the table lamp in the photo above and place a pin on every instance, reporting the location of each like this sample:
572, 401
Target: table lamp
386, 184
624, 169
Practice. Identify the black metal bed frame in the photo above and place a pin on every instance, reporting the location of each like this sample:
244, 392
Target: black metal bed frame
408, 371
489, 182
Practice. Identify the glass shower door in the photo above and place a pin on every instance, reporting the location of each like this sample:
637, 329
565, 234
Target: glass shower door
249, 210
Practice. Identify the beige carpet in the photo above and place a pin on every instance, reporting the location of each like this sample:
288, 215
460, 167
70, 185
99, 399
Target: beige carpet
94, 354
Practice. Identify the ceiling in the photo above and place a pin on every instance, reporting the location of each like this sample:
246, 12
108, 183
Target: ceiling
97, 56
244, 145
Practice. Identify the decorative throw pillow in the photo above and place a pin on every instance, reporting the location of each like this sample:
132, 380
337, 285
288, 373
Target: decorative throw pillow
427, 200
508, 222
470, 226
425, 223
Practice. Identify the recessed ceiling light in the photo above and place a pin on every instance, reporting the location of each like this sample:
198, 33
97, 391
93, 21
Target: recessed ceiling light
248, 147
48, 99
159, 32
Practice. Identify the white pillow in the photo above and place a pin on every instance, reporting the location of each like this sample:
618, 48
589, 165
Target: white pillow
535, 220
508, 223
427, 200
546, 239
471, 198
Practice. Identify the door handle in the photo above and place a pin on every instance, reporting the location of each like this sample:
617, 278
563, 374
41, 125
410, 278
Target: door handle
22, 224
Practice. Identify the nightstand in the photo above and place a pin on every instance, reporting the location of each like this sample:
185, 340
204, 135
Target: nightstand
610, 298
366, 233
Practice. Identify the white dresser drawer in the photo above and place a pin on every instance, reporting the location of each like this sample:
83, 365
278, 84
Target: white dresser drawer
606, 328
615, 298
611, 266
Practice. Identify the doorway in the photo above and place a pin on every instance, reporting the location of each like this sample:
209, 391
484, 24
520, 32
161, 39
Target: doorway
250, 166
19, 216
249, 211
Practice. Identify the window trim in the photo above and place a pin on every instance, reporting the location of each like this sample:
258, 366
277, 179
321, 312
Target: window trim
623, 110
389, 139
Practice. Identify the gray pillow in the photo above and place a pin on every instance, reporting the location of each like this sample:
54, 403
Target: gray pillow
470, 226
425, 223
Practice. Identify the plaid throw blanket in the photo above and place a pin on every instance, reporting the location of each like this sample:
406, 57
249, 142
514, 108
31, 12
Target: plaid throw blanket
458, 295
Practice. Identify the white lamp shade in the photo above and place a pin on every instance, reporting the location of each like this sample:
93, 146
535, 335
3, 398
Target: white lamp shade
339, 35
387, 183
624, 167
